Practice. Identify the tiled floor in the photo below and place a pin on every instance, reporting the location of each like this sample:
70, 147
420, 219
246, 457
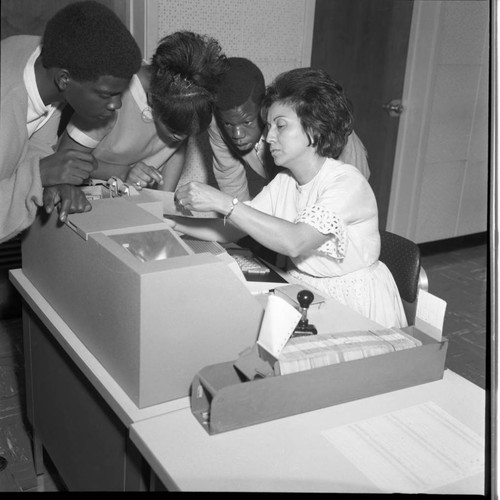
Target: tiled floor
457, 273
15, 438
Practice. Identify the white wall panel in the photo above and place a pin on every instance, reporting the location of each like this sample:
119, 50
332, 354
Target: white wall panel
440, 200
462, 29
275, 34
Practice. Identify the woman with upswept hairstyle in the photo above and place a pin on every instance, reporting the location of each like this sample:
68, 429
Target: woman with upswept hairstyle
167, 101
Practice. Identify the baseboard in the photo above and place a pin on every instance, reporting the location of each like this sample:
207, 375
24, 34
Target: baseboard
457, 243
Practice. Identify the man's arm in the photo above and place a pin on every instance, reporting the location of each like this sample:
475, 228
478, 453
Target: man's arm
103, 170
172, 169
83, 136
21, 191
20, 197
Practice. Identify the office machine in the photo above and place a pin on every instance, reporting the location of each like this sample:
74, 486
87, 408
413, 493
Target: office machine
231, 395
152, 307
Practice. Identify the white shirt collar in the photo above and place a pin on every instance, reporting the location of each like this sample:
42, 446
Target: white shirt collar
38, 112
36, 102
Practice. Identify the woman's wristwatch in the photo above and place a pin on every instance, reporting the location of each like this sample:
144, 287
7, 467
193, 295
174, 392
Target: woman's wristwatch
233, 204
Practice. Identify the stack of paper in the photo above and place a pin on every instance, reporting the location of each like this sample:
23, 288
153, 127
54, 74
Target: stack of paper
305, 353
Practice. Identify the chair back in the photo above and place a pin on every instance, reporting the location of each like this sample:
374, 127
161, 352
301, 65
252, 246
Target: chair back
402, 257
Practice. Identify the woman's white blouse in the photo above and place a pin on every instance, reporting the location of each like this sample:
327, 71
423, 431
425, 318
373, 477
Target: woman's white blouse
337, 201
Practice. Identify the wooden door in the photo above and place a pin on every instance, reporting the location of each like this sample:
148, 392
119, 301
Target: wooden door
363, 45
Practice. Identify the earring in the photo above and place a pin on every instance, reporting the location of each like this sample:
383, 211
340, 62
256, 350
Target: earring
147, 115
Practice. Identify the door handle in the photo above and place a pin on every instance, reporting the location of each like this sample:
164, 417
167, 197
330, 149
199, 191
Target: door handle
394, 108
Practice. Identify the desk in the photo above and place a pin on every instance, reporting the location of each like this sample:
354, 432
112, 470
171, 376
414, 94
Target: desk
79, 414
291, 454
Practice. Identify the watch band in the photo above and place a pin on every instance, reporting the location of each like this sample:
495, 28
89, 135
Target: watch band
233, 204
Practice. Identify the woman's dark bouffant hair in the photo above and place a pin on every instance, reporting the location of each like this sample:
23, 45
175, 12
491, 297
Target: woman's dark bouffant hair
90, 41
320, 104
186, 71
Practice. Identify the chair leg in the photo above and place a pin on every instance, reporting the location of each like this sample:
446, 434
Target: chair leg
38, 455
423, 281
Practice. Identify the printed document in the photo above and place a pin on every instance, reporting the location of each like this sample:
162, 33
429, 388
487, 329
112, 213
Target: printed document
414, 450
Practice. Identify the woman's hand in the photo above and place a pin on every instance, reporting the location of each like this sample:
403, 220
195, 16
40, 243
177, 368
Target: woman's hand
142, 175
169, 221
201, 197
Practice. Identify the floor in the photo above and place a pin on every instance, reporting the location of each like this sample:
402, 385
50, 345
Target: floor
457, 273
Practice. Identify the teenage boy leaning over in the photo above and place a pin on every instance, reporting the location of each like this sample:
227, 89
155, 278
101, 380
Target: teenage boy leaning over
86, 59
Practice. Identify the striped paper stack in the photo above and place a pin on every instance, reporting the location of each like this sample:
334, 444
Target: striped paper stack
305, 353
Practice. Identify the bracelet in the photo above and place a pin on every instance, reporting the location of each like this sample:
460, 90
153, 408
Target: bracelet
233, 204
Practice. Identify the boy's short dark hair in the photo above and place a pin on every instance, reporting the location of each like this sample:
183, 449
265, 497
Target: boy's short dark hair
90, 41
242, 80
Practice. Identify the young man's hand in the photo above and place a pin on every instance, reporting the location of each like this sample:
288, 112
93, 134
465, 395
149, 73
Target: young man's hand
67, 167
67, 198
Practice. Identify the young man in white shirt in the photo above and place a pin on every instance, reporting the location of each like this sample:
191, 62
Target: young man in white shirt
86, 59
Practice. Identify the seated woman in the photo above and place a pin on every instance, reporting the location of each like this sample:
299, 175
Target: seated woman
242, 163
319, 212
144, 142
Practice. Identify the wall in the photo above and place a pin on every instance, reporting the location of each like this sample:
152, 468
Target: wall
276, 34
440, 182
28, 17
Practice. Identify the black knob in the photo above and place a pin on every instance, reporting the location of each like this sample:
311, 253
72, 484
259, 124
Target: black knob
305, 297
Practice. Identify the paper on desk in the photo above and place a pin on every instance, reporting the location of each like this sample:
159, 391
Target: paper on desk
170, 207
429, 316
414, 450
278, 324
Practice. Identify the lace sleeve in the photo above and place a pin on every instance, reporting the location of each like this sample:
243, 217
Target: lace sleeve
326, 222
